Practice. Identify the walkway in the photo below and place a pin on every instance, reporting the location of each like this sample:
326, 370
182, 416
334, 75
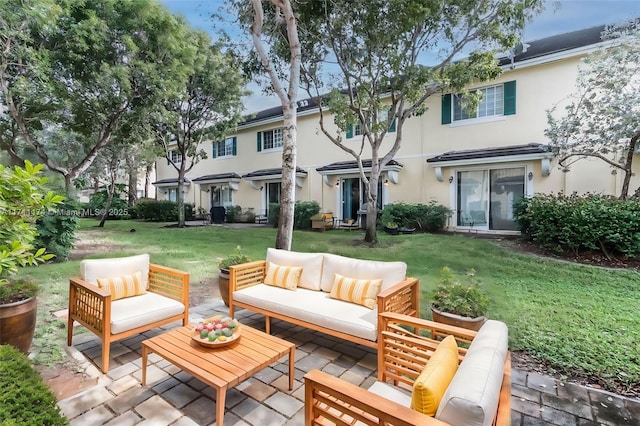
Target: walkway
175, 398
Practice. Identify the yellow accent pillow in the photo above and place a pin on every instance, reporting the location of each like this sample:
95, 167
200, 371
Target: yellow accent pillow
283, 276
434, 380
124, 286
362, 292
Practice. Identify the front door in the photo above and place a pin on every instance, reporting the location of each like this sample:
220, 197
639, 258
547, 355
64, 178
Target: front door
350, 198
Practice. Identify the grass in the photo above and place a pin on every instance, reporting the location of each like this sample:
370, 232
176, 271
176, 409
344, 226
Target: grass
577, 318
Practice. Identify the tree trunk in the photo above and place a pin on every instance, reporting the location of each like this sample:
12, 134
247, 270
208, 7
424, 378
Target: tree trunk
132, 170
147, 180
628, 170
107, 205
180, 197
288, 193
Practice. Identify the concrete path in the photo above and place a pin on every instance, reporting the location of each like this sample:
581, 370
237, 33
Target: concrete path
173, 397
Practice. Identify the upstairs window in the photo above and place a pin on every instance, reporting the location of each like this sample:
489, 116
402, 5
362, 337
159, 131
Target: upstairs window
225, 148
269, 139
496, 101
176, 157
383, 116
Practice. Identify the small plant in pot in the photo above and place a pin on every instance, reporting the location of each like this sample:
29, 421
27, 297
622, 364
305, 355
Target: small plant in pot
456, 303
223, 279
23, 200
391, 228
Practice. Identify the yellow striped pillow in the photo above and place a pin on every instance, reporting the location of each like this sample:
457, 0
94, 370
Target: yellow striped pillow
283, 276
124, 286
362, 292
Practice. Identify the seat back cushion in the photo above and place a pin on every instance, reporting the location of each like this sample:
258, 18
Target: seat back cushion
389, 272
123, 286
283, 276
362, 292
434, 379
92, 269
311, 264
472, 397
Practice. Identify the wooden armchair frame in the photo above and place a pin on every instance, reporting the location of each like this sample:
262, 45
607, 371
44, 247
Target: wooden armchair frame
91, 306
403, 352
402, 298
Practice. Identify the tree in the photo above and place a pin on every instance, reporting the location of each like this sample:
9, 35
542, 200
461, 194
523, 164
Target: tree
82, 67
285, 25
374, 78
205, 108
601, 118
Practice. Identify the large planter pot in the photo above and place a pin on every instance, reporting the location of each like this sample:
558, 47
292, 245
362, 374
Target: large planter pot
391, 231
457, 320
223, 285
17, 323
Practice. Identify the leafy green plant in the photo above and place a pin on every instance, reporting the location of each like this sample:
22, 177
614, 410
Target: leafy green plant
233, 259
56, 230
23, 200
392, 225
465, 299
25, 399
161, 210
430, 217
302, 212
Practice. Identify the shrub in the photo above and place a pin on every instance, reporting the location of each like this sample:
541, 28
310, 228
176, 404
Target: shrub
56, 230
232, 214
119, 208
430, 217
455, 297
161, 210
302, 212
25, 399
577, 223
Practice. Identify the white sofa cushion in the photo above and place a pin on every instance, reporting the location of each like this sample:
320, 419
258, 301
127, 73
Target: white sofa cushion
472, 397
136, 311
311, 265
315, 307
92, 269
389, 272
392, 393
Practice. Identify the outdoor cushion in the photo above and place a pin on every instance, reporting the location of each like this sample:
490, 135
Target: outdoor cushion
311, 264
473, 394
434, 379
392, 393
92, 269
315, 307
389, 272
132, 312
282, 276
123, 286
362, 292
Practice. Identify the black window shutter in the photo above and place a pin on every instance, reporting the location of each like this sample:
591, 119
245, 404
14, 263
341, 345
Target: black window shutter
234, 149
259, 141
510, 97
392, 127
214, 149
446, 108
350, 131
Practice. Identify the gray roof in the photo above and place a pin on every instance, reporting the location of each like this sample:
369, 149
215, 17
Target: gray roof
535, 49
532, 148
171, 180
270, 172
219, 176
348, 165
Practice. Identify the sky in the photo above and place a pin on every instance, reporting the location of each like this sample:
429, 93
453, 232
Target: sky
560, 16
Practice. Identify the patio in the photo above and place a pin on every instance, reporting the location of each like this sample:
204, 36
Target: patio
176, 398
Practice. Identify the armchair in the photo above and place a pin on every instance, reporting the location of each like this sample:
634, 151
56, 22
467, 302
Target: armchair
166, 300
403, 352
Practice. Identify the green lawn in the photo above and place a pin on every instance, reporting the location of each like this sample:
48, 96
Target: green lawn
575, 317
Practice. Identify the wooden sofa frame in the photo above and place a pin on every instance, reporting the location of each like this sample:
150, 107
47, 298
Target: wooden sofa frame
91, 306
402, 298
403, 352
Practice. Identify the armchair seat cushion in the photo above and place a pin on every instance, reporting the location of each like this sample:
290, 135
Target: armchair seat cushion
392, 393
136, 311
315, 307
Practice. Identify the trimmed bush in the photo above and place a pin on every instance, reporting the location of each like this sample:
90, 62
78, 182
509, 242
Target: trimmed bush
25, 399
302, 212
119, 208
430, 217
592, 222
56, 229
161, 210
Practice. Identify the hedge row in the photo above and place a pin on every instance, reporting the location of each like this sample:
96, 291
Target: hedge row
576, 223
430, 217
161, 211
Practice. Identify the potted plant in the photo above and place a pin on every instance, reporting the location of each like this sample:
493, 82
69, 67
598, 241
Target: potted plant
223, 278
391, 228
22, 201
457, 303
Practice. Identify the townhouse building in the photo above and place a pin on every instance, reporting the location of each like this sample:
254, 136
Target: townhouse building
478, 164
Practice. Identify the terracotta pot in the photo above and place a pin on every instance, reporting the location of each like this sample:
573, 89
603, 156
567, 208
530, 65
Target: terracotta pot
17, 323
223, 285
458, 320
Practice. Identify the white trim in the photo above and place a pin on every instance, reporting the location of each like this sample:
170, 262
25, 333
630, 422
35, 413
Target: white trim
492, 160
478, 120
553, 57
272, 177
387, 168
223, 180
170, 184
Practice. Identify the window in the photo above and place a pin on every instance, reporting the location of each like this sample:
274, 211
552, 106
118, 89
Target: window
175, 156
498, 100
492, 103
269, 139
225, 148
221, 196
172, 194
383, 116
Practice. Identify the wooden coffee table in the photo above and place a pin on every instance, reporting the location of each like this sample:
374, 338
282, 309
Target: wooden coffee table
220, 368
